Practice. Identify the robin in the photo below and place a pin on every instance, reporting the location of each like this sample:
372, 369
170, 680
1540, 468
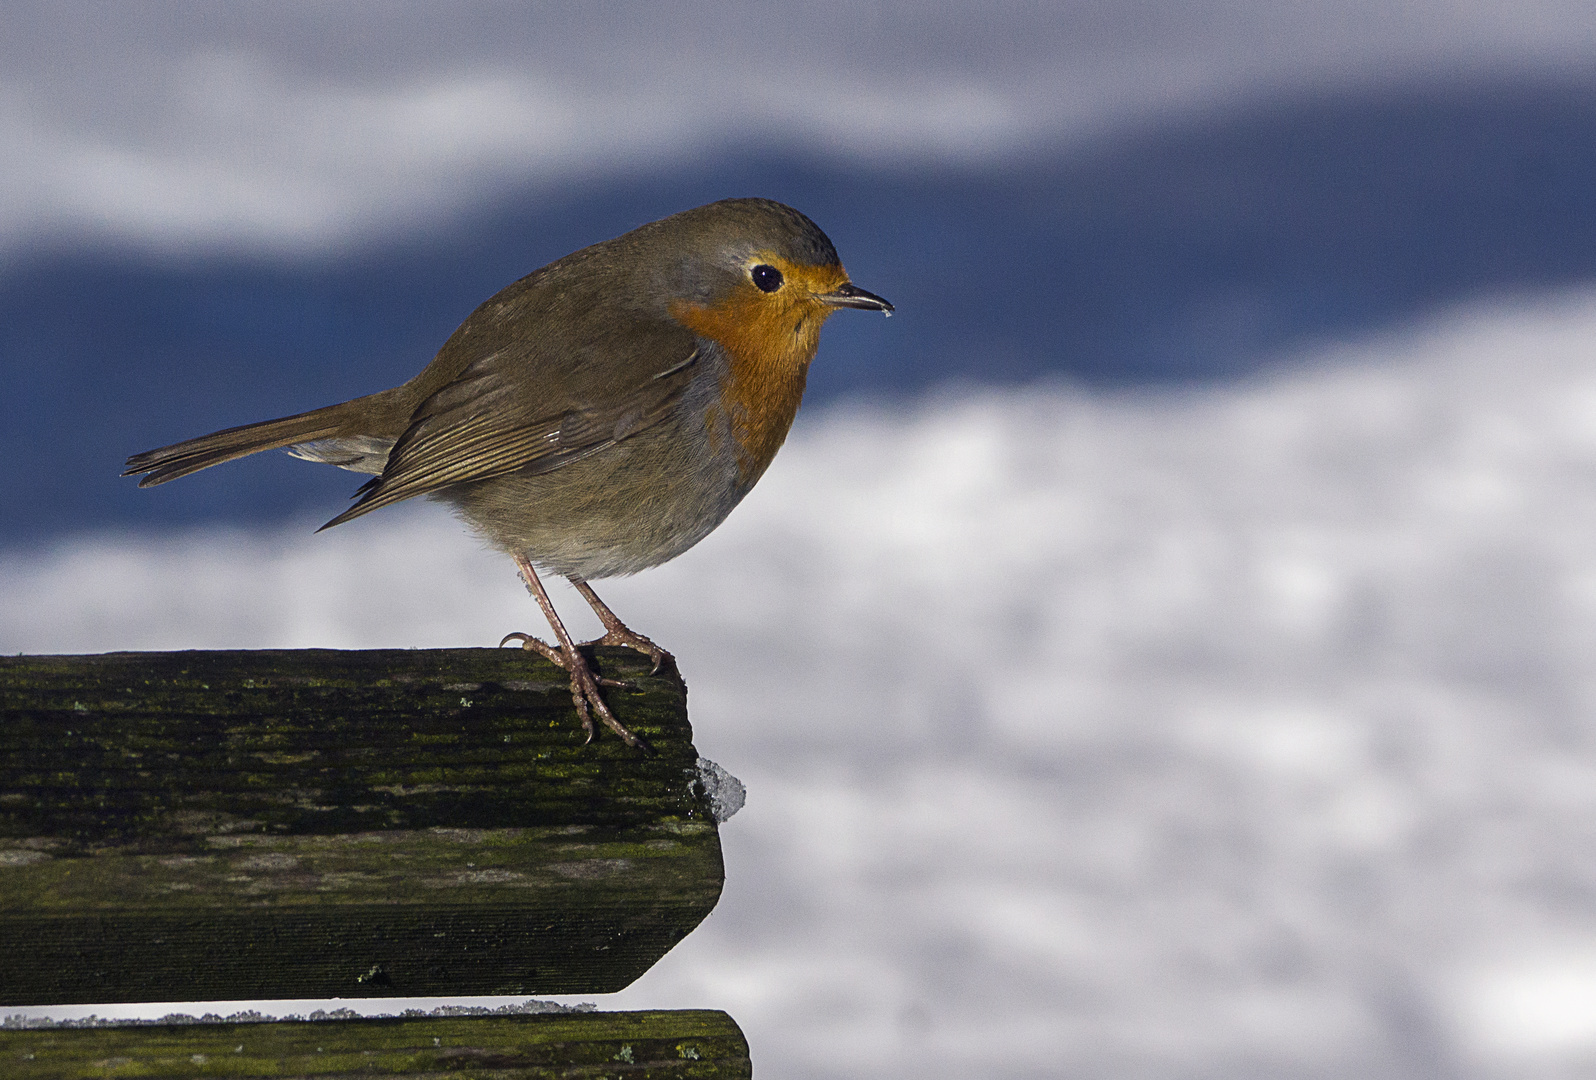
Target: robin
600, 416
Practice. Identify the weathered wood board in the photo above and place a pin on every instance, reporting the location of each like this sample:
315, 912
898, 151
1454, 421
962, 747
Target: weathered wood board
700, 1045
310, 824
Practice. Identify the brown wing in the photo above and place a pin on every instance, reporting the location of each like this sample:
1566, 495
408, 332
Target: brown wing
491, 420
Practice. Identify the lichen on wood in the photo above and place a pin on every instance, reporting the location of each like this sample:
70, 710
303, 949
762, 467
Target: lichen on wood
312, 823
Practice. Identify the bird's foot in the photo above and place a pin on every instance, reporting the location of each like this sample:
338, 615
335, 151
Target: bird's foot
584, 687
616, 632
557, 658
537, 645
620, 635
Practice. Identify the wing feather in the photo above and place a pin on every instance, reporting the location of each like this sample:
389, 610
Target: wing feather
467, 430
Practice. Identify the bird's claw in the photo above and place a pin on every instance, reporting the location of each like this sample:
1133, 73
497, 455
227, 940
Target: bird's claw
584, 688
585, 692
555, 657
631, 639
532, 644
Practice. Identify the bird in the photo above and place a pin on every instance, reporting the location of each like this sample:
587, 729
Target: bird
595, 418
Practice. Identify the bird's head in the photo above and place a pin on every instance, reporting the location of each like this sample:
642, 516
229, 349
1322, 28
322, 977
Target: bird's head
756, 276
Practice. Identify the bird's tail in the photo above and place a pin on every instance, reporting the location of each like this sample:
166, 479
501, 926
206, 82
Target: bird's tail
192, 455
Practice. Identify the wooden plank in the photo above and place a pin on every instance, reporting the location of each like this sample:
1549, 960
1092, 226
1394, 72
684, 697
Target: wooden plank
703, 1045
229, 825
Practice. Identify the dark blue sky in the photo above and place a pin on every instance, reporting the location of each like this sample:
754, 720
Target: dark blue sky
1189, 252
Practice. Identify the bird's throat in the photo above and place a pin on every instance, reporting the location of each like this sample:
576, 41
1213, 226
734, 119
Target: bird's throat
769, 348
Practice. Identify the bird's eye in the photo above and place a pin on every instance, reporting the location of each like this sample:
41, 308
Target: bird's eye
768, 278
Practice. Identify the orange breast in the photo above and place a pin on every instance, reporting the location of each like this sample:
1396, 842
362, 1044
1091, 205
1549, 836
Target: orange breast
770, 340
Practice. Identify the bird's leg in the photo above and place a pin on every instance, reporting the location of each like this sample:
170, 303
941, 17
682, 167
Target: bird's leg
584, 684
616, 632
537, 645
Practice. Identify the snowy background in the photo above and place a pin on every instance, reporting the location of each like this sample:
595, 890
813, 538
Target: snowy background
1200, 568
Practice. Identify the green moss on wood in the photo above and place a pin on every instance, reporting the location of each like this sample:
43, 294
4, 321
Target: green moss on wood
163, 748
184, 826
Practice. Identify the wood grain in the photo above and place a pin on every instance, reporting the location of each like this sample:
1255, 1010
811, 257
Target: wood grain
229, 825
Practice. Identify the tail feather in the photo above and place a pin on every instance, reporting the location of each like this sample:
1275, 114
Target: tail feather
192, 455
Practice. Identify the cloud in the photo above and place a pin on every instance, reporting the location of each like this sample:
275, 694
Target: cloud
1234, 730
305, 126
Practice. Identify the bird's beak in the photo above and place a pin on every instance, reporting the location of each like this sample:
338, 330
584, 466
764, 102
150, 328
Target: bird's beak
852, 296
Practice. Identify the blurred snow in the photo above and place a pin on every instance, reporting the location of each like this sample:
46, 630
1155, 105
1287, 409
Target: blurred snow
1236, 731
301, 125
